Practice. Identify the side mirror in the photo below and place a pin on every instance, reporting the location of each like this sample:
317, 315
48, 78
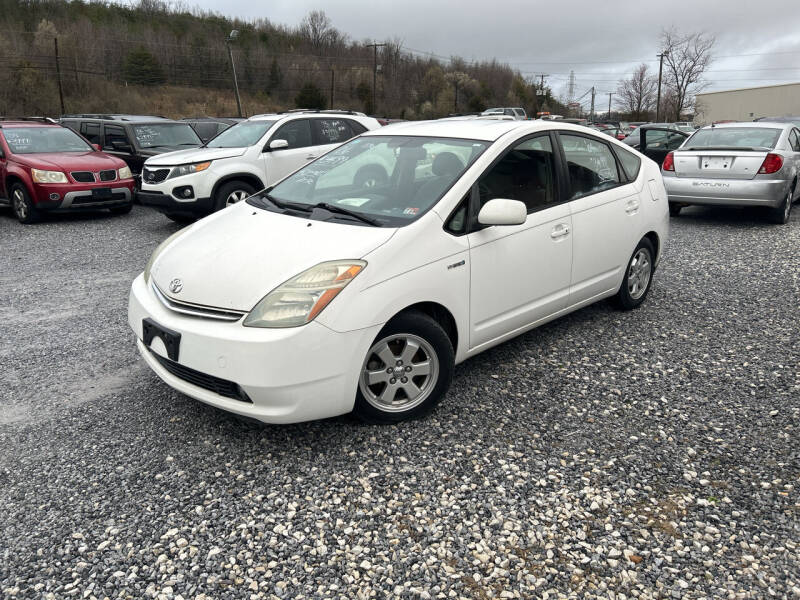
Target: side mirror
277, 145
500, 211
97, 147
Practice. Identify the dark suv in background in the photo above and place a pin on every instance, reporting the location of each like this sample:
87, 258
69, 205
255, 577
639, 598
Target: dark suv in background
208, 128
133, 138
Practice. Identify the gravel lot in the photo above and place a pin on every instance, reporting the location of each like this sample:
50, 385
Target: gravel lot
650, 454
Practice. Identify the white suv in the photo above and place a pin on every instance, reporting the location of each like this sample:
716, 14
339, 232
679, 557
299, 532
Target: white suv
244, 159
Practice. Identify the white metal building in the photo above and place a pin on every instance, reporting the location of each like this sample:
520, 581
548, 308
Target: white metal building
747, 104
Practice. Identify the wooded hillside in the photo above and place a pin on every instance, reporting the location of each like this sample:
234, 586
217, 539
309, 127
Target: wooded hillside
165, 59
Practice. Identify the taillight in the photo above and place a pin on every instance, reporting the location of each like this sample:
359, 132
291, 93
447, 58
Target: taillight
772, 163
669, 162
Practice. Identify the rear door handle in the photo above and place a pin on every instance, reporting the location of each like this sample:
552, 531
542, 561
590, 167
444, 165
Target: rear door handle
559, 231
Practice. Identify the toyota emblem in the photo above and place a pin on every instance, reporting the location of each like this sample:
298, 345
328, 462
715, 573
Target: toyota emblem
175, 286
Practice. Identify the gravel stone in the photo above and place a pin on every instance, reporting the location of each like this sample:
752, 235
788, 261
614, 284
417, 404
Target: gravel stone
648, 454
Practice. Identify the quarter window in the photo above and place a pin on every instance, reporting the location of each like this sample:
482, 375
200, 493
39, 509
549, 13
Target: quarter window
630, 162
297, 133
526, 173
591, 165
794, 140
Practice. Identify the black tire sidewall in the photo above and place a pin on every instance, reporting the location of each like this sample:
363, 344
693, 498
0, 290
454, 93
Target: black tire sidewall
623, 298
419, 324
227, 188
778, 214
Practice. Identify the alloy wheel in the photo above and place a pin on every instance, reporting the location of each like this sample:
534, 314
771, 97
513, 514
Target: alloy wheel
400, 372
639, 272
20, 206
236, 196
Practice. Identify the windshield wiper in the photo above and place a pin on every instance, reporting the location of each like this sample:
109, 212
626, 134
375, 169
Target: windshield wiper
281, 203
332, 208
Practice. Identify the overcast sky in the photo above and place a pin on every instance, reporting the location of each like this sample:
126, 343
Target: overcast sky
602, 41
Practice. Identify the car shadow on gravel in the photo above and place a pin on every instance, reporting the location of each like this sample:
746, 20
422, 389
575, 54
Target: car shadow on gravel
741, 217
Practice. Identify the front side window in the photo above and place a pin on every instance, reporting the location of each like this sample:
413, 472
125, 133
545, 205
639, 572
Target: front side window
91, 131
331, 131
115, 135
34, 140
591, 165
167, 135
526, 173
391, 179
297, 133
734, 138
241, 135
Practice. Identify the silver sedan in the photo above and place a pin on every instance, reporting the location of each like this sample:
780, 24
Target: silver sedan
736, 164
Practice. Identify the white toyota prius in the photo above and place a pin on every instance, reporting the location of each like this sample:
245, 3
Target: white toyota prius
328, 294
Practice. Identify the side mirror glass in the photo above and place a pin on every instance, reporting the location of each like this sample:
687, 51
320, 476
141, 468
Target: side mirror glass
278, 144
501, 211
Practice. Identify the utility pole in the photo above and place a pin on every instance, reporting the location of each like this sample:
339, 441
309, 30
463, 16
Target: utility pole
233, 35
374, 47
591, 114
609, 106
541, 87
658, 97
333, 76
58, 74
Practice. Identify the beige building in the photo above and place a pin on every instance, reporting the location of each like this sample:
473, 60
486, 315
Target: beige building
747, 104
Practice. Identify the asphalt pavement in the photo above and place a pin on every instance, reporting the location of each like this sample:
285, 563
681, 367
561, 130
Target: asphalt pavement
647, 454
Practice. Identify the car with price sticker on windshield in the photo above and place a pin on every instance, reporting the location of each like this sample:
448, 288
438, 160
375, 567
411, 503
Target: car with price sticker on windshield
246, 158
737, 164
321, 296
45, 167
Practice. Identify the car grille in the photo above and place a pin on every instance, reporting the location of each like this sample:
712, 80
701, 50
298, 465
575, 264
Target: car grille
154, 175
219, 386
115, 197
109, 175
83, 176
197, 310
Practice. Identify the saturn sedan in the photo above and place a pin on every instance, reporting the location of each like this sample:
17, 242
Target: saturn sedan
737, 164
323, 295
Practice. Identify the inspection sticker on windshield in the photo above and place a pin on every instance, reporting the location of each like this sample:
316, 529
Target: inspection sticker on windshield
410, 211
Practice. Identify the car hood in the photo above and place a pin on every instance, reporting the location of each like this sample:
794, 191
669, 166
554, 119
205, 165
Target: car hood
235, 257
182, 157
70, 161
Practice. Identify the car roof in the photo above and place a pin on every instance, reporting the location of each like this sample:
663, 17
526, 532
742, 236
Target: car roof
23, 123
122, 118
762, 124
471, 129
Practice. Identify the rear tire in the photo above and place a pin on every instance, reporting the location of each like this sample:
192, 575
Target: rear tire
407, 370
231, 193
780, 214
638, 277
22, 205
674, 209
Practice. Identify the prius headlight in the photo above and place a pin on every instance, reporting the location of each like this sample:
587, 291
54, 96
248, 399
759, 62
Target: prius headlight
299, 300
188, 169
158, 251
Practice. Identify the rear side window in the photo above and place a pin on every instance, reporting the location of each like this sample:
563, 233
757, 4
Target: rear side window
91, 131
297, 133
331, 131
357, 127
794, 140
591, 165
630, 163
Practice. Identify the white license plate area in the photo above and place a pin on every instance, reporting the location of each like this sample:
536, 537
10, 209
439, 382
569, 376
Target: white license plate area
716, 162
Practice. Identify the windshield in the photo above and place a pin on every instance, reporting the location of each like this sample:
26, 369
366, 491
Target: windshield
391, 179
166, 134
241, 135
733, 137
32, 140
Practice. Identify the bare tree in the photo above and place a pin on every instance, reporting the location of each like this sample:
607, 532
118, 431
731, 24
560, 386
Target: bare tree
637, 95
317, 27
686, 58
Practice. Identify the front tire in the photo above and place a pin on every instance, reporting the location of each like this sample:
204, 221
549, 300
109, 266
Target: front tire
407, 370
638, 277
780, 214
231, 193
23, 206
181, 218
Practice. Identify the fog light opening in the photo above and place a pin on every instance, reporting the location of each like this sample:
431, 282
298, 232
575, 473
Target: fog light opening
55, 196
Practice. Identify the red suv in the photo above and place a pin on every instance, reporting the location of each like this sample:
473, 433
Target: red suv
47, 167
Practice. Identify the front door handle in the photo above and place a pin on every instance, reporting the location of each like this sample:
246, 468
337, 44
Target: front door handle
559, 231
